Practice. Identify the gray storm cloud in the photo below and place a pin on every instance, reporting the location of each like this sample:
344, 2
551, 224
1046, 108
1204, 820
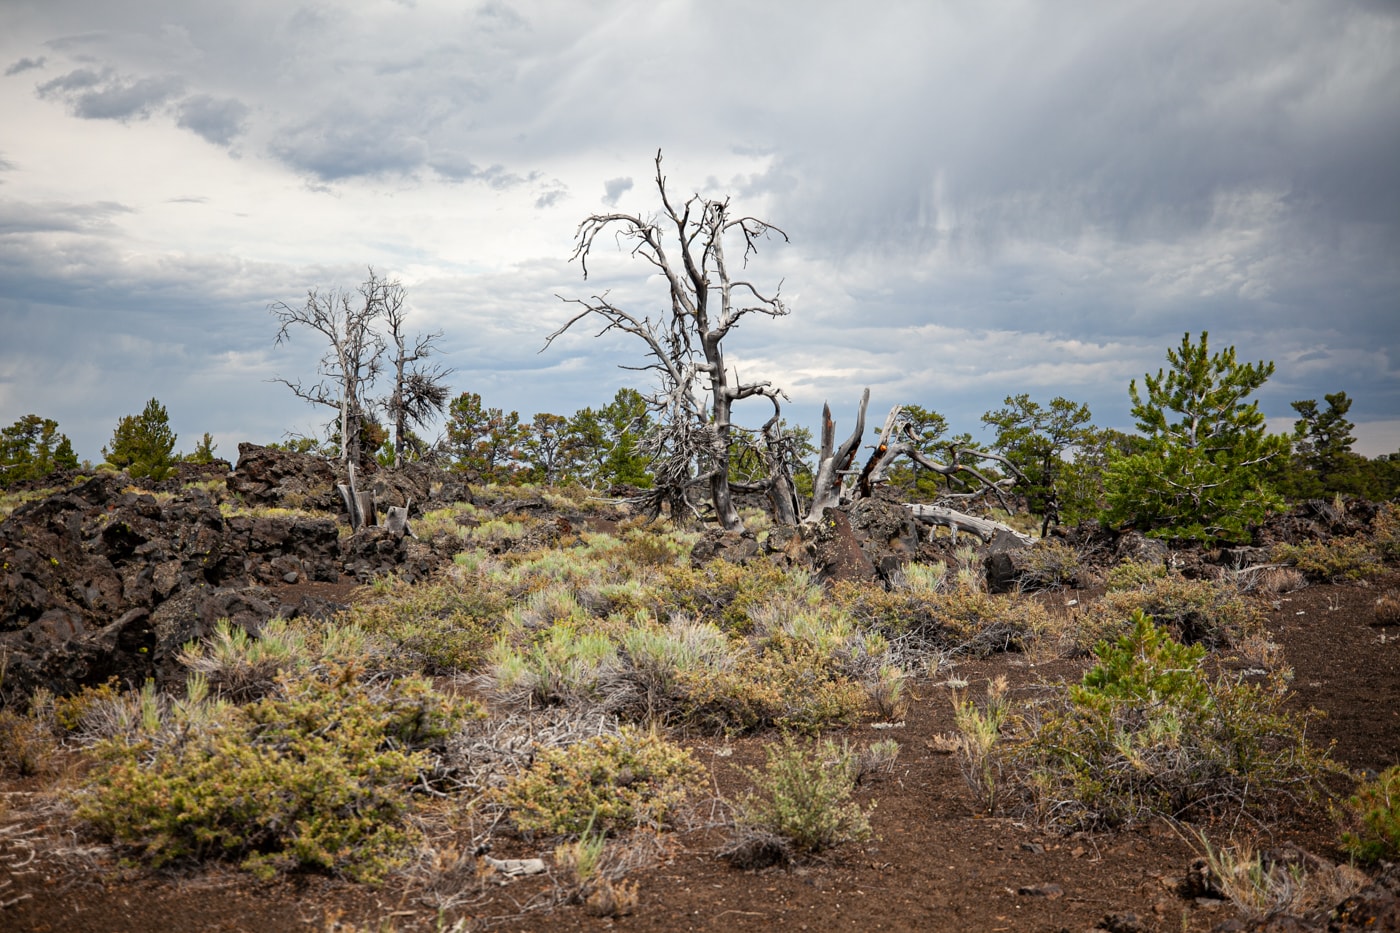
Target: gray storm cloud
982, 199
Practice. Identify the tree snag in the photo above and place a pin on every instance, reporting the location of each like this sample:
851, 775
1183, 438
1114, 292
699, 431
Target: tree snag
690, 442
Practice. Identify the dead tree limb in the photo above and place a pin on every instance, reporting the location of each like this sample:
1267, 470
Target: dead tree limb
984, 528
352, 362
420, 393
899, 439
834, 464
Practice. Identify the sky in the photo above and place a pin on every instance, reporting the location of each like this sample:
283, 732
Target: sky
981, 198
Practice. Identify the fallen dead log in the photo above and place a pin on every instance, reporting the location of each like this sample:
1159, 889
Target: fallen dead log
983, 528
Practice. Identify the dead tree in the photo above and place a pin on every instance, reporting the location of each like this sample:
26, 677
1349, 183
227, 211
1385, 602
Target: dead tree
775, 457
834, 463
352, 363
420, 392
838, 481
684, 345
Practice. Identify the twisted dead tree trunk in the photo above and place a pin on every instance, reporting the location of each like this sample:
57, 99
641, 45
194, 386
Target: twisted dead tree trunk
351, 364
777, 455
834, 463
698, 390
837, 482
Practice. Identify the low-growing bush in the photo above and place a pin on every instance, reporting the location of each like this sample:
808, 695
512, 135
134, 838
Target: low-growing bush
27, 743
727, 594
445, 626
70, 711
801, 800
1135, 574
316, 775
1206, 612
1048, 565
1385, 531
603, 785
1372, 819
1146, 732
1335, 561
952, 618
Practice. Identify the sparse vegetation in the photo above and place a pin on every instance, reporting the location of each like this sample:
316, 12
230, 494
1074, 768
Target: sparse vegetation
1206, 612
1260, 885
614, 666
1335, 561
801, 802
1145, 732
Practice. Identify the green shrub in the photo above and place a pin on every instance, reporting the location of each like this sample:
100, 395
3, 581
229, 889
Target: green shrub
1147, 732
316, 775
445, 626
1206, 612
602, 785
1334, 561
1373, 819
1135, 574
802, 796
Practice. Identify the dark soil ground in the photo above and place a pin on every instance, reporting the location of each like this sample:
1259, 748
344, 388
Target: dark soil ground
935, 863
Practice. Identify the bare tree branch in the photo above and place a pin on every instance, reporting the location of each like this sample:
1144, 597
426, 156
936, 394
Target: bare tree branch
691, 440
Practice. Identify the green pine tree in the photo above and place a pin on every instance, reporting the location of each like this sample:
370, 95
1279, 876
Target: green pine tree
32, 448
1036, 438
1207, 470
1323, 462
143, 444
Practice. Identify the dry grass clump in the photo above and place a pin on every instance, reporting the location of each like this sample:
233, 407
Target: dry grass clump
1048, 565
1277, 883
800, 804
27, 741
1269, 580
241, 666
590, 871
949, 617
691, 675
1388, 608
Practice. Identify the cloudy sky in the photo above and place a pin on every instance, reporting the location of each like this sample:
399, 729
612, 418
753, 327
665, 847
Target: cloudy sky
983, 198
